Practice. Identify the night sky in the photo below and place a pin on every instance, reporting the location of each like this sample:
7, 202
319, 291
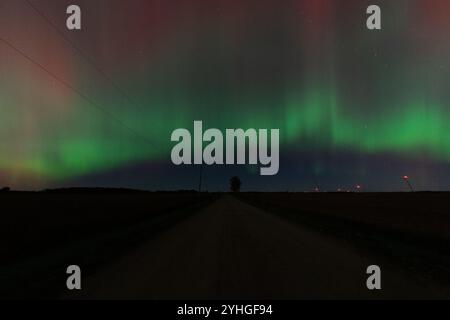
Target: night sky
353, 106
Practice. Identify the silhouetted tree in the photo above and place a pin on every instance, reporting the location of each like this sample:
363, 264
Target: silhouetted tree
235, 184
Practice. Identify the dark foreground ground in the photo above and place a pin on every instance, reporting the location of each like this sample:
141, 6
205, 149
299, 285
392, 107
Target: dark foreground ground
213, 246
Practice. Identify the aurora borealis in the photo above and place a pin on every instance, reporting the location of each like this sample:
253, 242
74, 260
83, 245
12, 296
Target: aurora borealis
352, 105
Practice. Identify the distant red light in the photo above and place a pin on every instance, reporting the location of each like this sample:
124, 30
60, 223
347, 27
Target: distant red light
405, 177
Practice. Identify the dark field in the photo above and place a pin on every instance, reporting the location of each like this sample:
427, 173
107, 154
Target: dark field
42, 233
205, 246
412, 230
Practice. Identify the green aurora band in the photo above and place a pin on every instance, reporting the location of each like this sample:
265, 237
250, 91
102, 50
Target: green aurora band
351, 92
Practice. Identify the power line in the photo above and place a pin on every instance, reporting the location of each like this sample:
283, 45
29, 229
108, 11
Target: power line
78, 92
88, 59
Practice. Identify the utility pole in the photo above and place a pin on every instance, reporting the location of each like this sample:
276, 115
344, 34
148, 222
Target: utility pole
201, 178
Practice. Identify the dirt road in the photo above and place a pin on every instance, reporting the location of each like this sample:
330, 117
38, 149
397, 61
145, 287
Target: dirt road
232, 250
